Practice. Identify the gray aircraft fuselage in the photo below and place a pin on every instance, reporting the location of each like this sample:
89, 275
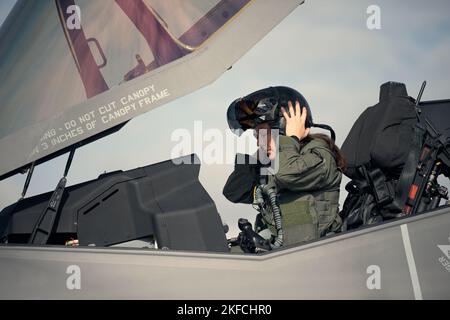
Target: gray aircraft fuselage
403, 259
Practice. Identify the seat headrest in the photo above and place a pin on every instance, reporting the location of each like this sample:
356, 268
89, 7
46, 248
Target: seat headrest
392, 89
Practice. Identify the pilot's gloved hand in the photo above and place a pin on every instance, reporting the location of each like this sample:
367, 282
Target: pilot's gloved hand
240, 184
295, 121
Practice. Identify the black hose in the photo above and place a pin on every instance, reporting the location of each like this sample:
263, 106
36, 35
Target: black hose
259, 198
276, 211
271, 196
326, 127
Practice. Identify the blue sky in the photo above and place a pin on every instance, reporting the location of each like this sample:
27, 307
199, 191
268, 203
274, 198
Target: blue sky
323, 49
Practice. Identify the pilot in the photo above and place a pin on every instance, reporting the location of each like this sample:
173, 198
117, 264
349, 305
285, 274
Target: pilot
309, 174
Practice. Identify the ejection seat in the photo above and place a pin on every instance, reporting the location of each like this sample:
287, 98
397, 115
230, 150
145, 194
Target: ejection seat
395, 152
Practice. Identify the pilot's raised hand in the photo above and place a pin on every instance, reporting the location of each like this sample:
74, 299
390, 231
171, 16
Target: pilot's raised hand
295, 121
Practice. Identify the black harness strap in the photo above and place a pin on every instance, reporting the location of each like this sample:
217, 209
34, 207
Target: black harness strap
377, 181
409, 170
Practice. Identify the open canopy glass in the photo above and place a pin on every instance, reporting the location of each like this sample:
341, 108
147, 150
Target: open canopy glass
75, 70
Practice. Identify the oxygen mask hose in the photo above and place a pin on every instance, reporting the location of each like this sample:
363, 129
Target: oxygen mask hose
265, 195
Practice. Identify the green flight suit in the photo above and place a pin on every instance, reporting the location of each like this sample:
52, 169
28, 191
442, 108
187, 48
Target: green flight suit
307, 182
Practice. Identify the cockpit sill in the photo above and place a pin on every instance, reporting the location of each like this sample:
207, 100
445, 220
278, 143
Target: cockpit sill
364, 230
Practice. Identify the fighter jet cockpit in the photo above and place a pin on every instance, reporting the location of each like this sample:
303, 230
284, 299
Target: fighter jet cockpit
123, 124
164, 206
